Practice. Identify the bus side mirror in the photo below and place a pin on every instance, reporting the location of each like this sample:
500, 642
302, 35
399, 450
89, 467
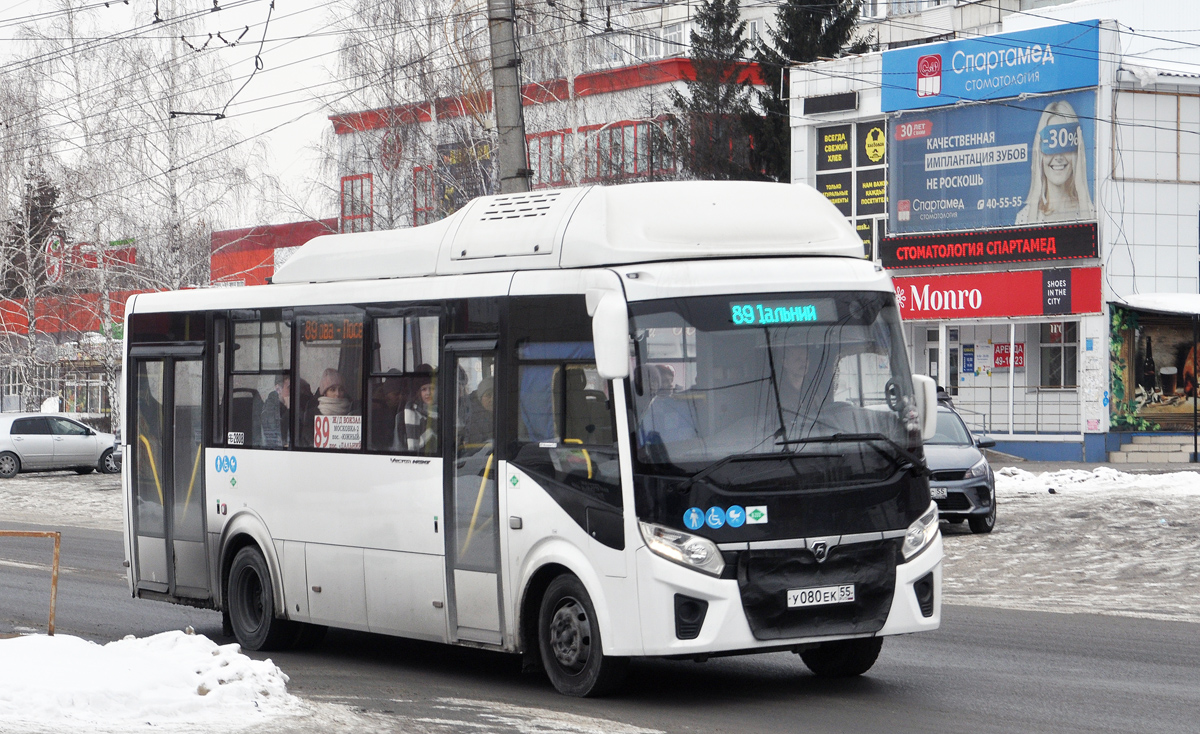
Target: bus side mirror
610, 332
926, 391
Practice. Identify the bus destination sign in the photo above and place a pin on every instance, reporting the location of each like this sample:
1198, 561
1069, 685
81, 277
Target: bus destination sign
774, 313
337, 328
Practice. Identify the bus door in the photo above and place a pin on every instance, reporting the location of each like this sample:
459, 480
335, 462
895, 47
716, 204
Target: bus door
167, 472
472, 509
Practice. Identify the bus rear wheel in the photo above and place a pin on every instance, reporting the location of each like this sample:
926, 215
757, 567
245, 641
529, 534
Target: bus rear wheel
843, 658
251, 604
569, 639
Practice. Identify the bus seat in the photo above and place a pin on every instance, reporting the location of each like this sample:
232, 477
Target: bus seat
245, 414
589, 417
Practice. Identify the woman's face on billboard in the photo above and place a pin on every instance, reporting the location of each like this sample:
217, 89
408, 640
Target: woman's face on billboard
1058, 168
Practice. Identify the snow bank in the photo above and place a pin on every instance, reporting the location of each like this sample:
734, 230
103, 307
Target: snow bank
1013, 481
169, 681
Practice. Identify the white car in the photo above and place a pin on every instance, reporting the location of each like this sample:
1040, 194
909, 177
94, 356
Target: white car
44, 441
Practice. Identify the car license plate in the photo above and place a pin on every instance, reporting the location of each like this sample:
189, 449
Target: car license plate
820, 595
937, 493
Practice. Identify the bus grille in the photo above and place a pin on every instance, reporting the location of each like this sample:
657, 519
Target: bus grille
765, 576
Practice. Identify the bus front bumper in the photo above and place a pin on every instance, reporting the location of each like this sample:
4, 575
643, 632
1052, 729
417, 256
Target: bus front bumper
725, 628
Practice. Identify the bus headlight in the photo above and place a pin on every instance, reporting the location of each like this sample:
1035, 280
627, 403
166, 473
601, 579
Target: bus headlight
922, 532
683, 548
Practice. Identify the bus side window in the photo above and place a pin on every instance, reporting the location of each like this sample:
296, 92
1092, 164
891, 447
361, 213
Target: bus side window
565, 422
220, 349
330, 361
259, 387
402, 412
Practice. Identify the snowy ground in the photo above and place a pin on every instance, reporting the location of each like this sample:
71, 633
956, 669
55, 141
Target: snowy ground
1103, 541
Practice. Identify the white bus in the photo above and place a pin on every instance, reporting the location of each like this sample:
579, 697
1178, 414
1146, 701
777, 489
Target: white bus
582, 425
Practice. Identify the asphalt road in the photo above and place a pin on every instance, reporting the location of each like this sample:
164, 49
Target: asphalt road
986, 670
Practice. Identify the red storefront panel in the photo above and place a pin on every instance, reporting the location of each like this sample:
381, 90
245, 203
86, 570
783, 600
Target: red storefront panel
999, 295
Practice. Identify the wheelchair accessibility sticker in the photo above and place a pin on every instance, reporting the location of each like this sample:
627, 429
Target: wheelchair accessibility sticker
227, 465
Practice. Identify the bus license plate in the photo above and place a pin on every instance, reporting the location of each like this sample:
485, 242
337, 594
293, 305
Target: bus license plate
937, 493
820, 595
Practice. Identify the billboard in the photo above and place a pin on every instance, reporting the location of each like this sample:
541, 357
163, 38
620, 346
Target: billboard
990, 247
998, 295
1036, 61
1002, 164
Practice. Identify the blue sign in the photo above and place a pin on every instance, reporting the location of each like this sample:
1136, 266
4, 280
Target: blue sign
735, 516
226, 463
693, 518
1063, 56
968, 358
1021, 162
715, 517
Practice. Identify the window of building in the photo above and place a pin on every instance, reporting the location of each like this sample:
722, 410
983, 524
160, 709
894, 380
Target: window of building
1059, 353
1155, 138
329, 368
358, 203
260, 397
626, 151
547, 157
424, 196
675, 39
647, 45
403, 412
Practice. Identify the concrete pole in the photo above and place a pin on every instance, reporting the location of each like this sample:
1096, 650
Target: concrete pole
512, 157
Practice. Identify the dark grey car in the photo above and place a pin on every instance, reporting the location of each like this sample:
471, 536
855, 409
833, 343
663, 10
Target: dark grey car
962, 484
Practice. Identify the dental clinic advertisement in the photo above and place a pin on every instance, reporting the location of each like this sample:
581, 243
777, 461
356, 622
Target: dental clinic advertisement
1016, 162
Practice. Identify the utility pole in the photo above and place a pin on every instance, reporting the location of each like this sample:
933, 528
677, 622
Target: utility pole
506, 98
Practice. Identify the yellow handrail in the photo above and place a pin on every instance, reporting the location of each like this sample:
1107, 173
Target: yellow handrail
188, 500
153, 468
586, 455
487, 469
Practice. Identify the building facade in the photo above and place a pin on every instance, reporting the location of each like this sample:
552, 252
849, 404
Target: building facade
1016, 184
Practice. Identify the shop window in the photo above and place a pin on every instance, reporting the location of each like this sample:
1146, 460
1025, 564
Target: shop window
1059, 354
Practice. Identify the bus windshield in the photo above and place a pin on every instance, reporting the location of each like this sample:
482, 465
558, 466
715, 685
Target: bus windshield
763, 375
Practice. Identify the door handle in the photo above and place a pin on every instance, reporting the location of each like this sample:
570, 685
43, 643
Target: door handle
58, 438
18, 438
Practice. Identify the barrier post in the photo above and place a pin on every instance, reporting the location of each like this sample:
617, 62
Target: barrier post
54, 568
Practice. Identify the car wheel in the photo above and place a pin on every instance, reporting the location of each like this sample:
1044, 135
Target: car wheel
85, 469
569, 638
108, 463
252, 604
10, 465
844, 658
983, 523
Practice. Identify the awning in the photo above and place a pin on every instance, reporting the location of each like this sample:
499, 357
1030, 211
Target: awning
1184, 304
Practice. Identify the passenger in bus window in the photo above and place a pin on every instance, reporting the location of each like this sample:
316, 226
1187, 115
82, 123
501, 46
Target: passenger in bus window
332, 396
420, 415
276, 413
387, 425
478, 426
668, 418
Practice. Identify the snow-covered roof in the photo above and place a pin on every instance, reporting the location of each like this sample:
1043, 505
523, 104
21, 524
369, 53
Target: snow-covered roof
1175, 303
589, 227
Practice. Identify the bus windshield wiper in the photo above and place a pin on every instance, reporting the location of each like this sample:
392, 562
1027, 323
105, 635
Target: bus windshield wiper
914, 462
708, 470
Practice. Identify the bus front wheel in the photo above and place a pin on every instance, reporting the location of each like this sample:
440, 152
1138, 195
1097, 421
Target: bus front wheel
569, 638
251, 604
843, 658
